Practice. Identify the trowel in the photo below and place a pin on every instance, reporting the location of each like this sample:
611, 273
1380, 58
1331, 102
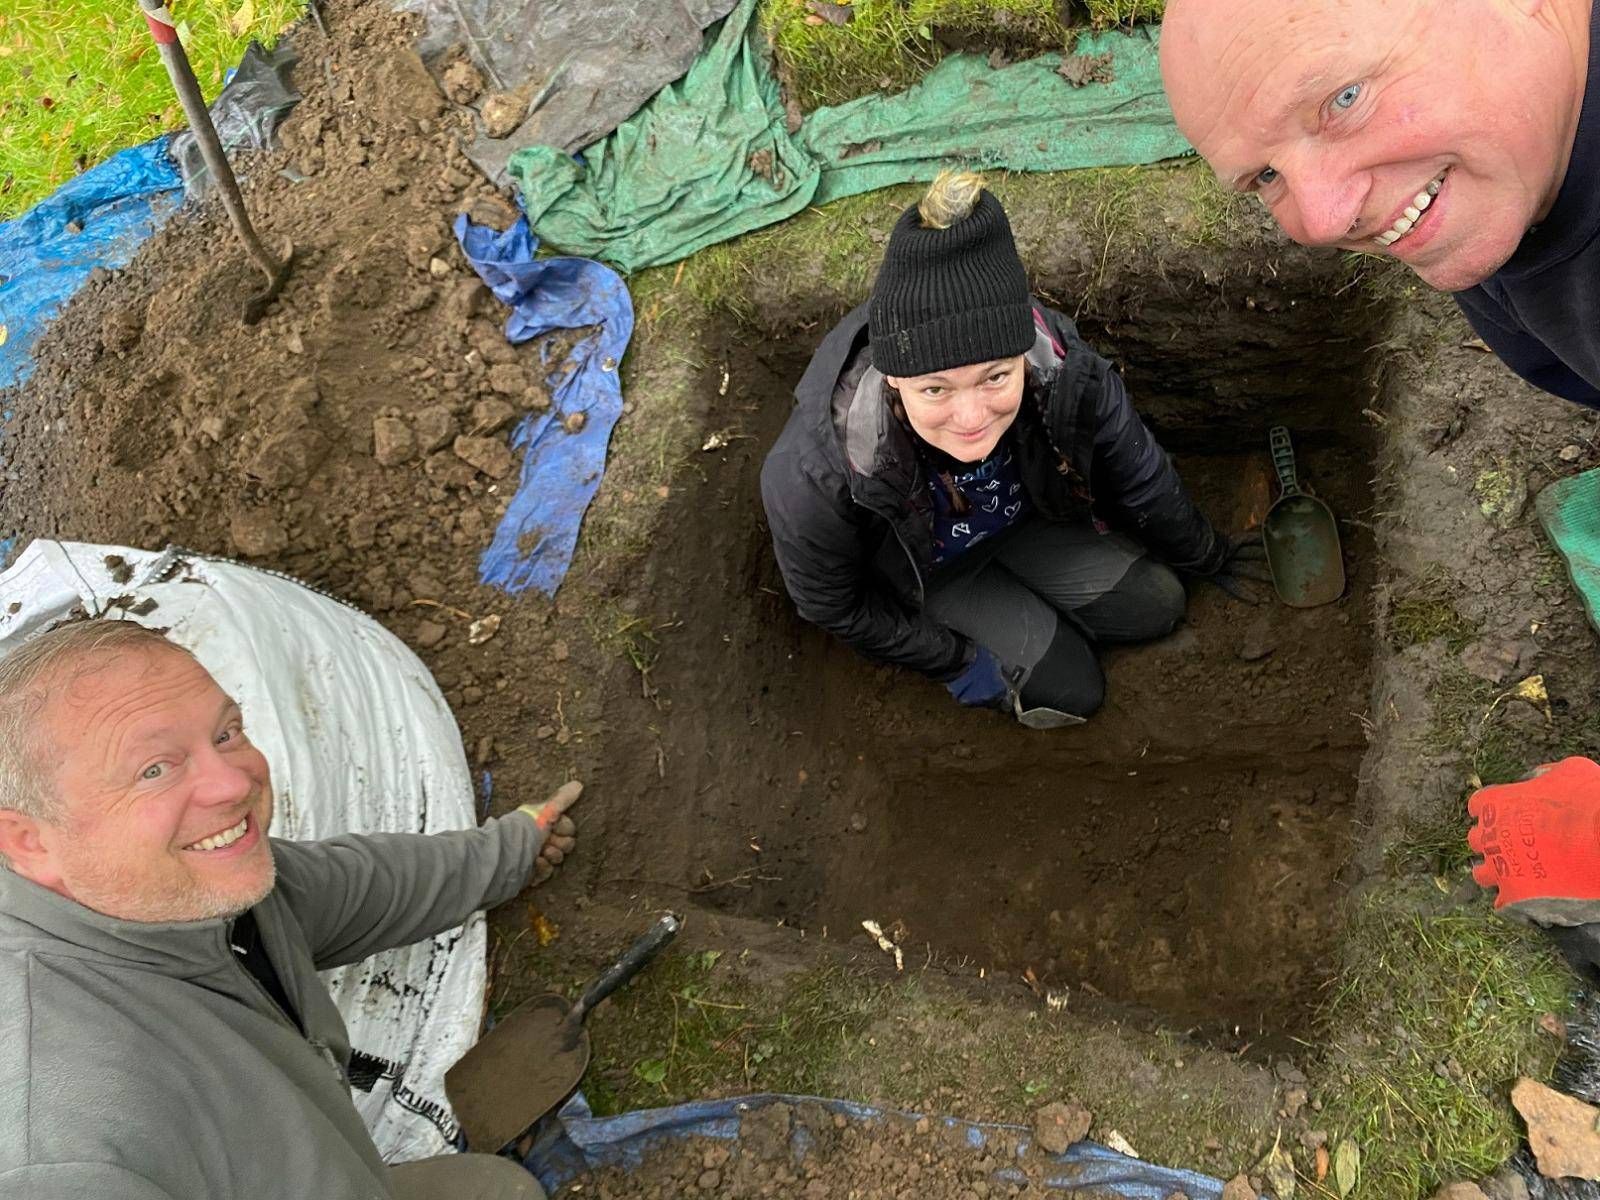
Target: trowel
532, 1060
1301, 537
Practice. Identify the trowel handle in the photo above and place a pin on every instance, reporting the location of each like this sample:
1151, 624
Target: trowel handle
633, 960
1283, 460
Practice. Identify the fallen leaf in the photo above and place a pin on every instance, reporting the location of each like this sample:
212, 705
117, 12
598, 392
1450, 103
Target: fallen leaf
242, 18
544, 929
1346, 1167
5, 334
1322, 1163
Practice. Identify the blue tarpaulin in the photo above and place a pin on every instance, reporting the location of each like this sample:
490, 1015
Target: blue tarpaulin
579, 1142
95, 220
561, 466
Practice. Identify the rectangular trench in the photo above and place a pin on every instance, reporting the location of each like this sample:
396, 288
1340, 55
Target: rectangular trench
1177, 857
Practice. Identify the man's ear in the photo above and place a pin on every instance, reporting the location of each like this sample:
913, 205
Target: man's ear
25, 846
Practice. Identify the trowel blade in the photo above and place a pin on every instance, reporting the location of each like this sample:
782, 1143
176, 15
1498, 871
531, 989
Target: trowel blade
520, 1070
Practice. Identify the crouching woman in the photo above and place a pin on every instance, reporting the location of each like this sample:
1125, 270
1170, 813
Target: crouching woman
940, 496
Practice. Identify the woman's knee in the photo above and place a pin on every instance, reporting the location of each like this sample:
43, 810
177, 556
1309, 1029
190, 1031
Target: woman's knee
1147, 602
1068, 678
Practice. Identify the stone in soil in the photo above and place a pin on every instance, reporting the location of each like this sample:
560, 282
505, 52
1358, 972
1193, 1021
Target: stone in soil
1238, 1188
257, 533
1057, 1126
392, 441
487, 454
1460, 1191
1561, 1130
502, 112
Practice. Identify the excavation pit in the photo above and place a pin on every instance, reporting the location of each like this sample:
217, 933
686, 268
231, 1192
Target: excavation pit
1176, 859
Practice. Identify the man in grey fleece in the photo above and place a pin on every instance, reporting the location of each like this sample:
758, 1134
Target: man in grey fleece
166, 1036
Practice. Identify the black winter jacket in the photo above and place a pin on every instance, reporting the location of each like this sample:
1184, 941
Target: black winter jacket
851, 516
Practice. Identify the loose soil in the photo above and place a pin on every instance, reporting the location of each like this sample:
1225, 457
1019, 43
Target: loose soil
807, 1151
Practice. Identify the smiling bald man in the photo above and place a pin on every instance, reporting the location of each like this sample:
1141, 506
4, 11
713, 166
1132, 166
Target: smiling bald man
168, 1036
1461, 137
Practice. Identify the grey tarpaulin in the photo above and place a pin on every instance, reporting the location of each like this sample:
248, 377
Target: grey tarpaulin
257, 96
581, 66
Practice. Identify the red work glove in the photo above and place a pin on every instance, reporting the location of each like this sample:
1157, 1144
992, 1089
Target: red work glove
1540, 841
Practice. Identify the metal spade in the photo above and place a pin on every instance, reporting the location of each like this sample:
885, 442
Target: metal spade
531, 1061
1301, 536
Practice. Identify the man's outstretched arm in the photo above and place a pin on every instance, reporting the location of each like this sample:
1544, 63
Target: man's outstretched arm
358, 894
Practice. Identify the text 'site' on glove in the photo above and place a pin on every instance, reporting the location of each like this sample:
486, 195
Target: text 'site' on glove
1540, 842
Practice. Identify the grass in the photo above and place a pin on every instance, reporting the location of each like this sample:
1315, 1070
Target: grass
82, 80
1433, 1020
890, 44
692, 1027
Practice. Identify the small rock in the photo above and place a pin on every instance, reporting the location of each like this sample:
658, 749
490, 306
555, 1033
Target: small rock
1259, 639
502, 113
462, 81
1505, 1184
214, 426
536, 397
438, 268
1057, 1126
495, 212
434, 426
488, 455
491, 416
1238, 1188
423, 243
257, 533
560, 652
429, 634
471, 695
1294, 1099
858, 823
574, 422
509, 379
1177, 1196
545, 732
1561, 1130
392, 441
1460, 1191
1570, 453
484, 752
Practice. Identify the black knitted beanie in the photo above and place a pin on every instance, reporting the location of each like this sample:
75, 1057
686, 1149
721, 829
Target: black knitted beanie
949, 297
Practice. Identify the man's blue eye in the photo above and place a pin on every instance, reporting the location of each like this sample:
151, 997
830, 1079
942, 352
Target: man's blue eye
1347, 97
1266, 175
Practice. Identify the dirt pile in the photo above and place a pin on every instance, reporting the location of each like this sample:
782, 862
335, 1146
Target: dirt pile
806, 1151
357, 437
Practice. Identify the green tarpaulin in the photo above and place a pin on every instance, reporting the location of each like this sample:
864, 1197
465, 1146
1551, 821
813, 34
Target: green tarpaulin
1569, 510
710, 157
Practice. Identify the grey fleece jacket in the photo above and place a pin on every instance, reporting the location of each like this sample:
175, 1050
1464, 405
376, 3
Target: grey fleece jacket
142, 1062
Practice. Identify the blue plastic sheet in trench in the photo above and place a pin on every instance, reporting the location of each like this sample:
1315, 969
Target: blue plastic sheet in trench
591, 1142
97, 219
561, 467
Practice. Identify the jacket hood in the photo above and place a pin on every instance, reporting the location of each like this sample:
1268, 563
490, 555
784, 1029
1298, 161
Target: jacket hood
35, 919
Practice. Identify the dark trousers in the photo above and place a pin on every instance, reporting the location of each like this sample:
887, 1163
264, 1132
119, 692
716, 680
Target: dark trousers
1040, 595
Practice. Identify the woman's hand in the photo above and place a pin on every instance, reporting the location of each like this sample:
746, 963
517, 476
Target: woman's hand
1243, 567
